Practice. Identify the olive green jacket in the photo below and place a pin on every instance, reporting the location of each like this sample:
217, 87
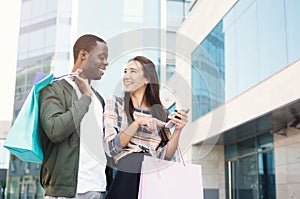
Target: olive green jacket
60, 115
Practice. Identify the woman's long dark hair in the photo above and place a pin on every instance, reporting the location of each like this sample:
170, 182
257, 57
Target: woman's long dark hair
151, 96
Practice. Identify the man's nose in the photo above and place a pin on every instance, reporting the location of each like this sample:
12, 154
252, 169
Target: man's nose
105, 63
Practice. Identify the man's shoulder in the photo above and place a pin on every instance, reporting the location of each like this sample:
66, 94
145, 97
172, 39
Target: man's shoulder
57, 87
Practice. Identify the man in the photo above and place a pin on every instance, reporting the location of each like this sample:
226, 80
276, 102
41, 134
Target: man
71, 168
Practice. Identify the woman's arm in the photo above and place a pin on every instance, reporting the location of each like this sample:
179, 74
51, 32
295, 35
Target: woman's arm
180, 123
115, 139
151, 124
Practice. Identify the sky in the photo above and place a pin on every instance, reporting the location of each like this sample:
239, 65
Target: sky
9, 21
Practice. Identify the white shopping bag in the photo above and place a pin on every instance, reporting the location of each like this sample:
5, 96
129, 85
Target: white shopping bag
161, 179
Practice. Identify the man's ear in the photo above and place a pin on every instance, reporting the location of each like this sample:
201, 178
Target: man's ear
82, 54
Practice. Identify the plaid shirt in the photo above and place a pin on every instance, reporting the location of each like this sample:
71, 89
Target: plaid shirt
115, 122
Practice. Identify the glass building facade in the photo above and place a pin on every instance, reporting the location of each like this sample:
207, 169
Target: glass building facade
45, 41
208, 73
254, 40
41, 49
249, 168
177, 10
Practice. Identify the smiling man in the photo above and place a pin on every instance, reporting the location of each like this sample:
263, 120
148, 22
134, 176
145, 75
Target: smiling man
70, 168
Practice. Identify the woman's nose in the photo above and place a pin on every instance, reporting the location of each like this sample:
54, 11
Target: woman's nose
126, 75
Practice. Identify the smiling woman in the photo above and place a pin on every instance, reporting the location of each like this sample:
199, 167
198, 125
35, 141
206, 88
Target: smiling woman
134, 126
9, 19
134, 78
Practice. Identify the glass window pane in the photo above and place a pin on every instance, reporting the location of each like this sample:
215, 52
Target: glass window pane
265, 142
247, 178
260, 38
266, 174
36, 40
293, 29
246, 49
272, 37
208, 73
25, 13
37, 9
246, 147
50, 33
175, 13
51, 5
230, 151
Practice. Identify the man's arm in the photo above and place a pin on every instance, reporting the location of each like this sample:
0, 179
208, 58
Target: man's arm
58, 121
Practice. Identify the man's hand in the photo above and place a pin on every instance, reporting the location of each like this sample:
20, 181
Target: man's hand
83, 84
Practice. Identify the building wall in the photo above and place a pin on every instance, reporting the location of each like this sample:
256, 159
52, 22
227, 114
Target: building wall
287, 164
248, 105
211, 158
269, 94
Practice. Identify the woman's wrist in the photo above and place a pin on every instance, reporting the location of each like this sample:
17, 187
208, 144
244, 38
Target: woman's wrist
136, 123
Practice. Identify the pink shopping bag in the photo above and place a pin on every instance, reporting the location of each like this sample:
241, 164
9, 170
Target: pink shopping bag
162, 179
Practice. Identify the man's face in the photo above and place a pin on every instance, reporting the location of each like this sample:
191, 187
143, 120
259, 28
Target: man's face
95, 63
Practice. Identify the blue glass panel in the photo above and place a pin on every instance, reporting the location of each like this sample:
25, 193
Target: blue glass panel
231, 151
252, 42
246, 147
208, 73
292, 24
265, 142
266, 175
247, 182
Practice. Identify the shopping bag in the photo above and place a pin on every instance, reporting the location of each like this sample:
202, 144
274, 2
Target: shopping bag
161, 179
23, 139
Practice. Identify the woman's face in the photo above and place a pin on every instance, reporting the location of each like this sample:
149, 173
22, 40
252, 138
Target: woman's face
133, 78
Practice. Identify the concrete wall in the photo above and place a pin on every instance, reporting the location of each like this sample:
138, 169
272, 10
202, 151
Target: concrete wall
211, 158
287, 164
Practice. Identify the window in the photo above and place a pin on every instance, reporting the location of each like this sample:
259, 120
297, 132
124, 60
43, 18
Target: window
253, 41
208, 73
27, 190
249, 168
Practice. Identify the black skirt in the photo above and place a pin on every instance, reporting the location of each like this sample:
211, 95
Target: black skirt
126, 182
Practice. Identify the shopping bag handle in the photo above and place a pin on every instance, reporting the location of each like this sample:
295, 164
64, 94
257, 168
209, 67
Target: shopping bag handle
66, 75
179, 154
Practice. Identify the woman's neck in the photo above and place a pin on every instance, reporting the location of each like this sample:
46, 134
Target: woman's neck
139, 101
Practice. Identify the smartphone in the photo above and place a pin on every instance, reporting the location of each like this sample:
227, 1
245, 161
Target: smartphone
170, 124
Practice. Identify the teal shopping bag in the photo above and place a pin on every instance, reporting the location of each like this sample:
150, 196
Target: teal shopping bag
23, 139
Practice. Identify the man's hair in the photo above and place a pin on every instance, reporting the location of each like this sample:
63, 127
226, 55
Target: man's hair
85, 42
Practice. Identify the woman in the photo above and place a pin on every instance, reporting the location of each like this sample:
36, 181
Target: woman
134, 127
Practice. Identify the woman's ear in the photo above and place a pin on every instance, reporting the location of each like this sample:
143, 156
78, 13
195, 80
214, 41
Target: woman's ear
147, 82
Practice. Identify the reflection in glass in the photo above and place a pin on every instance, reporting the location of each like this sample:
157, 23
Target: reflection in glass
246, 147
266, 174
249, 169
208, 73
248, 180
265, 142
252, 42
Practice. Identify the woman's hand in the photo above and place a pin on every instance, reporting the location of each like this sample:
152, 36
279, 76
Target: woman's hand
180, 118
151, 124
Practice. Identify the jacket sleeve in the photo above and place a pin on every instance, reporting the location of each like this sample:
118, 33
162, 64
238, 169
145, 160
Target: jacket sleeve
58, 121
112, 144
